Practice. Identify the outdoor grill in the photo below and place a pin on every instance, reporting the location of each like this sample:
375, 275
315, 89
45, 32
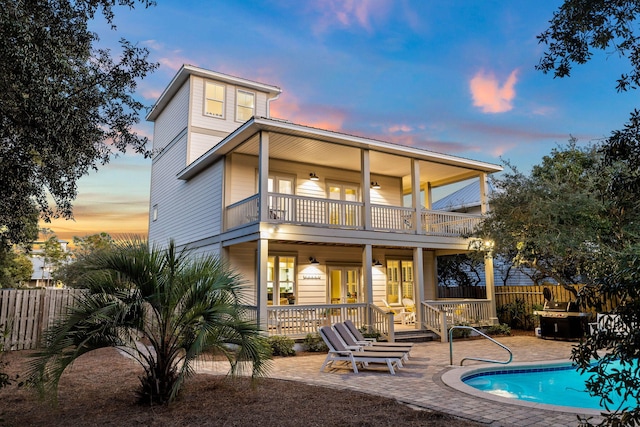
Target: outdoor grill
561, 319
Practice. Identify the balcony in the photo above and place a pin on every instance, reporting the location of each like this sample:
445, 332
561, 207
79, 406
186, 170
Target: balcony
317, 212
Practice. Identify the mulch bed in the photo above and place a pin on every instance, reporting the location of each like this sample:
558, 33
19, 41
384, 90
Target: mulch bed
99, 389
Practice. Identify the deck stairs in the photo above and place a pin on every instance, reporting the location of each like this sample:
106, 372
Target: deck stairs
415, 335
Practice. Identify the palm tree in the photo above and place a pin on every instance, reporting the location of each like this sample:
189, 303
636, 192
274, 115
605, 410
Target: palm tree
163, 307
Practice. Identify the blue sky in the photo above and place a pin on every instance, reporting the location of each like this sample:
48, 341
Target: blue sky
451, 76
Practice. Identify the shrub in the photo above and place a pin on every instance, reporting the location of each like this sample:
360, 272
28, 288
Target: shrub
517, 315
282, 346
315, 343
370, 333
501, 329
461, 333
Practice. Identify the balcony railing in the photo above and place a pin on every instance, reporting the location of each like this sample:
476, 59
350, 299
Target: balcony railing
284, 208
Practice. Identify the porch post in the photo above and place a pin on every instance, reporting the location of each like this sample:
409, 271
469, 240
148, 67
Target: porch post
367, 276
430, 276
490, 286
418, 274
365, 167
262, 255
415, 197
263, 173
484, 193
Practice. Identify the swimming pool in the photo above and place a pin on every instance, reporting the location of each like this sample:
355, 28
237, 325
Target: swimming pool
554, 386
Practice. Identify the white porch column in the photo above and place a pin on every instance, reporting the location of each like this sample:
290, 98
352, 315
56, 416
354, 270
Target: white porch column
418, 274
367, 273
415, 196
263, 174
484, 193
490, 286
365, 168
262, 254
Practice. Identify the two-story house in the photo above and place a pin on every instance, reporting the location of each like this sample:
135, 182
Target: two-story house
322, 225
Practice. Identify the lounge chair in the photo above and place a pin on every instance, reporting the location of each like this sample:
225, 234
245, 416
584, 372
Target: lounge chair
362, 340
338, 352
350, 342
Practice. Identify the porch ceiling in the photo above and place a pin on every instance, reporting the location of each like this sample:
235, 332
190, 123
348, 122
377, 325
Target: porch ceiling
312, 151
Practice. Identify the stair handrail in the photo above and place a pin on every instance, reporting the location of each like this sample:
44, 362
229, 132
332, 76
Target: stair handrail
477, 358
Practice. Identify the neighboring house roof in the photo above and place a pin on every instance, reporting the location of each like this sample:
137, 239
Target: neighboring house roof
464, 167
188, 70
466, 197
39, 272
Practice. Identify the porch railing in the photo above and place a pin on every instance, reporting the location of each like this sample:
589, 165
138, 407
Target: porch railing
442, 223
439, 316
296, 321
285, 208
392, 218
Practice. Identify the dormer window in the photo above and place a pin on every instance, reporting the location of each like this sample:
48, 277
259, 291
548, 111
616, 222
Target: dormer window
213, 100
246, 105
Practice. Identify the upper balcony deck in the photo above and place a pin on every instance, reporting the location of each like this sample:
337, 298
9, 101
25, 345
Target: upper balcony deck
318, 212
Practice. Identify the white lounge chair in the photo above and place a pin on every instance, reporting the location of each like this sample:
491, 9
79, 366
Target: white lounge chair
608, 322
350, 342
338, 352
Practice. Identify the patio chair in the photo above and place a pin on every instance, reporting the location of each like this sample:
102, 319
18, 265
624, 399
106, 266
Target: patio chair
372, 341
338, 352
610, 323
409, 310
350, 342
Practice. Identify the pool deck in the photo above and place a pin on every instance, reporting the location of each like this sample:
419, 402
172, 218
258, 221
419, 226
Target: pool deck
420, 383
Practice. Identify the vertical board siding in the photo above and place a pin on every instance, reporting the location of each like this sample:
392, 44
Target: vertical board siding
26, 313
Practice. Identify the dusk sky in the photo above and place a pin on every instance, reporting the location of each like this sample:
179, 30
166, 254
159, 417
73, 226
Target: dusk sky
454, 77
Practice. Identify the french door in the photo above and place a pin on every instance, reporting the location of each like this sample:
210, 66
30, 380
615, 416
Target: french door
399, 280
343, 213
344, 285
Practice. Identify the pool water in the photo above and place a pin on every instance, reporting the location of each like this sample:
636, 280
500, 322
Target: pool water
553, 385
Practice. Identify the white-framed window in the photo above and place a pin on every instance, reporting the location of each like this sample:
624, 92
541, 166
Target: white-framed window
154, 214
213, 99
245, 105
281, 280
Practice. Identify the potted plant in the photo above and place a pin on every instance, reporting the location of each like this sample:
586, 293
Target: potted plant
292, 299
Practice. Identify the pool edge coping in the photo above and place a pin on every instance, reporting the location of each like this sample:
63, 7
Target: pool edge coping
453, 378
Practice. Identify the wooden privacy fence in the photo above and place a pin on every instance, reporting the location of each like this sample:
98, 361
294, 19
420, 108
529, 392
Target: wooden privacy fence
26, 313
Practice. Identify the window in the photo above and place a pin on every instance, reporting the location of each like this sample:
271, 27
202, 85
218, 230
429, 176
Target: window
281, 280
399, 280
213, 99
246, 105
155, 212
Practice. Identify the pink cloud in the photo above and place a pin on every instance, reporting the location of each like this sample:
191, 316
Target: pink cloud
347, 13
489, 95
400, 128
287, 107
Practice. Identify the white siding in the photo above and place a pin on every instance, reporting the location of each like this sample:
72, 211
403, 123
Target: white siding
172, 120
200, 143
243, 261
188, 211
242, 177
227, 124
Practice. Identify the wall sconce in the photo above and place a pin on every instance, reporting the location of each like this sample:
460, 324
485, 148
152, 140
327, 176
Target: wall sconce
375, 185
313, 261
377, 263
313, 176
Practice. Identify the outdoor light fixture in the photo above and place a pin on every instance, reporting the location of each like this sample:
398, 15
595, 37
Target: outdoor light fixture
313, 176
377, 263
375, 185
313, 261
